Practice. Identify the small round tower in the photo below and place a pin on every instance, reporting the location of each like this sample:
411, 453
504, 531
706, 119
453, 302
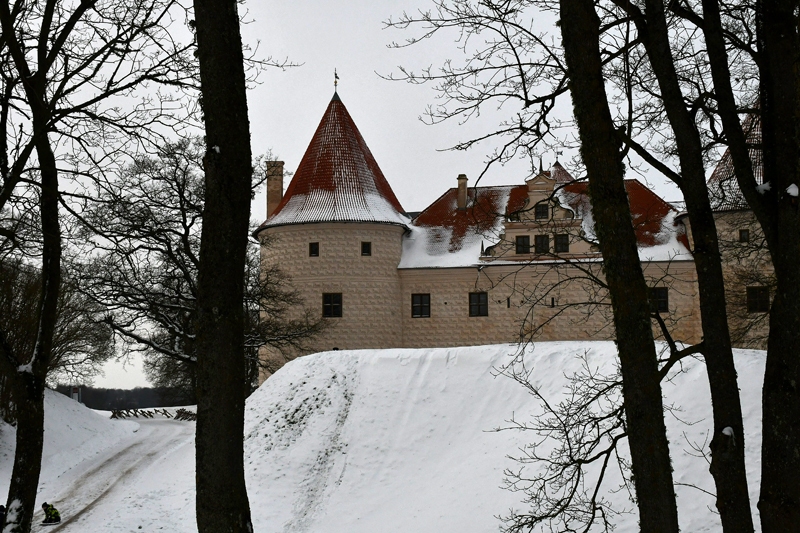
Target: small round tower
337, 233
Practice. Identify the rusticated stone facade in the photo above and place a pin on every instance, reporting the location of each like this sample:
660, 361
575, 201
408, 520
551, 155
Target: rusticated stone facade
367, 283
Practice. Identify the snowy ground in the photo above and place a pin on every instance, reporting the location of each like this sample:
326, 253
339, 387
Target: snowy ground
364, 441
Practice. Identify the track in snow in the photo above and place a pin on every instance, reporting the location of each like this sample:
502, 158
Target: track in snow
103, 493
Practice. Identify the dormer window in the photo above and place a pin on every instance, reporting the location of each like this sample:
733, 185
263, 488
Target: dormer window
541, 211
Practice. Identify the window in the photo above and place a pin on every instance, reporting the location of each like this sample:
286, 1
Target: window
523, 244
313, 249
757, 299
332, 304
478, 304
420, 305
541, 211
366, 248
542, 243
744, 235
659, 299
562, 244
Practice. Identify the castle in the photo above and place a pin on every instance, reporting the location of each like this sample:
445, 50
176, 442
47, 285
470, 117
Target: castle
480, 265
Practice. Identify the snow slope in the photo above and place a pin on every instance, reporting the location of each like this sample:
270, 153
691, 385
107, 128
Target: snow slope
72, 435
370, 441
399, 440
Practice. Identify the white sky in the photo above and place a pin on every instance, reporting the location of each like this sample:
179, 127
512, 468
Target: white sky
286, 106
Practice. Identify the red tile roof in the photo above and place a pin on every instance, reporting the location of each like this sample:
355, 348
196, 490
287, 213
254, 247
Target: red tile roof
722, 185
338, 179
485, 206
488, 205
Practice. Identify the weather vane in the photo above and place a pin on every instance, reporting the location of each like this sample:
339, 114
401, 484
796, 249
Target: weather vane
335, 80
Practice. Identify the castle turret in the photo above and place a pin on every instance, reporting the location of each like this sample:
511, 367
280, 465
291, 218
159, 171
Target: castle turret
337, 232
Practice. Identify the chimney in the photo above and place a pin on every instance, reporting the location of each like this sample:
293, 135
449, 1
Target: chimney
274, 185
462, 192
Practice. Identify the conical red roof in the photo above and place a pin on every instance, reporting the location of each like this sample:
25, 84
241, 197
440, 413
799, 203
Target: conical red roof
338, 179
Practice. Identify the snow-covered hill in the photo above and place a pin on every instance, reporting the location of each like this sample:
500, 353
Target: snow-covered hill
366, 442
72, 435
400, 440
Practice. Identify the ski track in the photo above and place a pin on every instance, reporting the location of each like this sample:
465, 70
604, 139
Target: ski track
116, 474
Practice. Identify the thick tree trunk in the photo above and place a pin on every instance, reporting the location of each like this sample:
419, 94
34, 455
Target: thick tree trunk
29, 397
222, 504
727, 452
652, 471
29, 379
779, 45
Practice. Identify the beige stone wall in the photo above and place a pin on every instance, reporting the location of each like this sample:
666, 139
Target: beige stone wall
540, 301
546, 301
744, 264
370, 285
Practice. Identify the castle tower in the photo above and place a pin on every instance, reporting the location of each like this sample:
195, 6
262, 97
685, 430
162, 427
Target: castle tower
338, 233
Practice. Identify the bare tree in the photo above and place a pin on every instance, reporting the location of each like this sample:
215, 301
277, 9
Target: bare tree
145, 224
61, 64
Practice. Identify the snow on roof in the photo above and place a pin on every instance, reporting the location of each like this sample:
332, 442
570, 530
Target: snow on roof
722, 185
443, 236
338, 179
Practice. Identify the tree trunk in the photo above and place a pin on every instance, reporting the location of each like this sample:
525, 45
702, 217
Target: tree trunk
222, 503
29, 379
727, 452
652, 471
21, 501
779, 45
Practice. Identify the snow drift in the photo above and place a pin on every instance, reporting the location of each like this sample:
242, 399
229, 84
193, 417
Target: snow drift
401, 440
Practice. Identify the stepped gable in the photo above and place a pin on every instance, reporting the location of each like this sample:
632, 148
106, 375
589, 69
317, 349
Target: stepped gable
338, 179
722, 185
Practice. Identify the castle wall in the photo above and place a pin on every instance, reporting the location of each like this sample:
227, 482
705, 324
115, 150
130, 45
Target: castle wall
370, 285
542, 301
545, 301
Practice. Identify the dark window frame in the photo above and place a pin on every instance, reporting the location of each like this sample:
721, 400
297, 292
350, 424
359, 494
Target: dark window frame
541, 211
659, 299
744, 235
332, 304
479, 304
561, 243
366, 248
421, 305
313, 249
523, 244
542, 244
758, 300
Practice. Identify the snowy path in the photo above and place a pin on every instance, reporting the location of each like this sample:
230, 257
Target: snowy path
145, 483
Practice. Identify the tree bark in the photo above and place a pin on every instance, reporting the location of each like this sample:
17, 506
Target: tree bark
779, 45
29, 379
727, 452
222, 503
652, 471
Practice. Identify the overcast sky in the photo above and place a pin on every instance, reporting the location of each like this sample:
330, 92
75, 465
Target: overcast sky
349, 36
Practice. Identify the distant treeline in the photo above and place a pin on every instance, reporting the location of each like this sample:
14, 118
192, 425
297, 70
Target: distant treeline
138, 398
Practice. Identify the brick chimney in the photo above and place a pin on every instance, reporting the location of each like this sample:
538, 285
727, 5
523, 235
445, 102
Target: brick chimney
274, 185
462, 192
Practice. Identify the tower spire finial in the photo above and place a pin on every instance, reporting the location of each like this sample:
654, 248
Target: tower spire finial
335, 79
